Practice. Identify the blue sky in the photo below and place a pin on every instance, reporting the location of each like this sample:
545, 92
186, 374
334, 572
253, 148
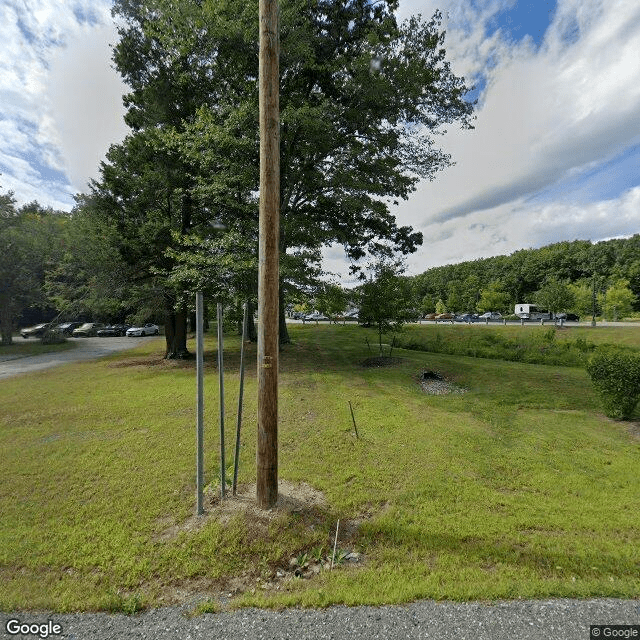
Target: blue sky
555, 154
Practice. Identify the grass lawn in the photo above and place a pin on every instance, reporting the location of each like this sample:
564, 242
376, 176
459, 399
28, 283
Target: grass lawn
518, 487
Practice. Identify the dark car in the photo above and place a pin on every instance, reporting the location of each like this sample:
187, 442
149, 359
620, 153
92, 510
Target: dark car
571, 317
37, 331
66, 328
87, 329
112, 330
467, 317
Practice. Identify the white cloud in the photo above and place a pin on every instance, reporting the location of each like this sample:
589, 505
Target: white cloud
49, 47
517, 225
546, 114
86, 98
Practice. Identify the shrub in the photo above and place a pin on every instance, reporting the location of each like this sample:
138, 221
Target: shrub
616, 376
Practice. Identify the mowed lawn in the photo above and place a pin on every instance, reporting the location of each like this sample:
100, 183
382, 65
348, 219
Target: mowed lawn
518, 487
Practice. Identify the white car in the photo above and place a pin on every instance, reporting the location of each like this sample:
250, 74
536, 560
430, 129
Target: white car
144, 330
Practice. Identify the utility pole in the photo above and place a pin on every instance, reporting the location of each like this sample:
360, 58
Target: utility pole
268, 270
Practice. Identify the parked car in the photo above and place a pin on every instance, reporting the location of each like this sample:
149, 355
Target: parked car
444, 316
37, 331
87, 330
112, 330
66, 328
467, 317
491, 315
430, 316
571, 317
148, 329
315, 316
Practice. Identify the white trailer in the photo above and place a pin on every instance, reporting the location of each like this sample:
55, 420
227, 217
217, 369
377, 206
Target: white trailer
531, 312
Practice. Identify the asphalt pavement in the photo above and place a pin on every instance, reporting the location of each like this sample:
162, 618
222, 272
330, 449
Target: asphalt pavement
84, 349
513, 620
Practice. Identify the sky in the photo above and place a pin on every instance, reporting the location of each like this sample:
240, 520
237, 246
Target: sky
554, 155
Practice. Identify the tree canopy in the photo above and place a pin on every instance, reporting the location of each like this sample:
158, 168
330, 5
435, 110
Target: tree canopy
31, 241
362, 99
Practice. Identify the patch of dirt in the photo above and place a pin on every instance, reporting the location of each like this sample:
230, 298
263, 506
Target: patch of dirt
152, 361
382, 361
435, 384
300, 499
634, 430
292, 498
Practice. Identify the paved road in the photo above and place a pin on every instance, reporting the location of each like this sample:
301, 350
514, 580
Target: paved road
84, 349
516, 620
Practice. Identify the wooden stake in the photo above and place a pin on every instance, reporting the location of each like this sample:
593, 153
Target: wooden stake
268, 270
245, 321
354, 420
335, 544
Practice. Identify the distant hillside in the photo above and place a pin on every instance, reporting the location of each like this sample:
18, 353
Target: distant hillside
522, 273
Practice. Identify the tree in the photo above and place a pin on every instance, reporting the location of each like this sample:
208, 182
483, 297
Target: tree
384, 298
31, 238
618, 300
361, 100
554, 296
582, 298
331, 299
494, 298
89, 279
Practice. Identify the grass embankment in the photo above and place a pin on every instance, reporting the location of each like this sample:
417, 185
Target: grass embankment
517, 488
532, 344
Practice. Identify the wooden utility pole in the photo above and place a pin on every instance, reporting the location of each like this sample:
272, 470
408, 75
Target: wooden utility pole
268, 271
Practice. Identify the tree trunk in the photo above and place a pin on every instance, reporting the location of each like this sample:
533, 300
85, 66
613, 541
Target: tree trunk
284, 332
252, 334
191, 324
6, 320
175, 330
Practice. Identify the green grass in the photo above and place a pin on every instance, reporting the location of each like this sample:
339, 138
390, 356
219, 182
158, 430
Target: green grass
517, 488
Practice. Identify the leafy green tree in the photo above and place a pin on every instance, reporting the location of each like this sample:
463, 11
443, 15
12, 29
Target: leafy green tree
31, 238
582, 298
331, 300
494, 298
471, 291
618, 300
384, 298
440, 306
554, 295
361, 99
454, 296
89, 279
428, 304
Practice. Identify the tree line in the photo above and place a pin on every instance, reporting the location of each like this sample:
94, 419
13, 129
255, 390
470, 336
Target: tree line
601, 278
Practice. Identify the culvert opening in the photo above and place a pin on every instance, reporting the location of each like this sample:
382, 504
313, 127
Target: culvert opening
431, 375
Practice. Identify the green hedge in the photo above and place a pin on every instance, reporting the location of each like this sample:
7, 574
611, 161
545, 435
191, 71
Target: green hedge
616, 376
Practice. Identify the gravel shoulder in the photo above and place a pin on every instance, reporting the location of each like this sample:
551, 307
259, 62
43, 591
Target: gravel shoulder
513, 620
84, 349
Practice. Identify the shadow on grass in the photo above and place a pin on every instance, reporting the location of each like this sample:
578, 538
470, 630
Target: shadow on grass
490, 553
